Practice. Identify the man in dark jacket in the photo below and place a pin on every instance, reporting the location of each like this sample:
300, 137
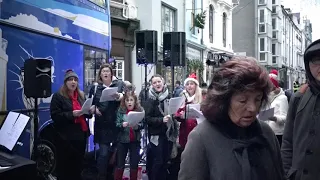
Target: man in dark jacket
300, 144
178, 89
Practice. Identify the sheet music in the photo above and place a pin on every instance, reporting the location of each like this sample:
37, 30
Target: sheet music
107, 94
265, 115
135, 118
172, 105
12, 128
86, 106
194, 113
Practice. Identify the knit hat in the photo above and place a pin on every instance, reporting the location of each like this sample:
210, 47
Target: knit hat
70, 73
192, 77
274, 77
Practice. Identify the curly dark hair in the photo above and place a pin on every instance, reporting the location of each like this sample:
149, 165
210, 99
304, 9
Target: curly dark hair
237, 75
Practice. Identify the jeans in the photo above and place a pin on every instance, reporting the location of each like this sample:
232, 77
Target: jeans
122, 150
103, 159
158, 158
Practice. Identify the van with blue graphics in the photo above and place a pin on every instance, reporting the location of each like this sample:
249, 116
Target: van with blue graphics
73, 34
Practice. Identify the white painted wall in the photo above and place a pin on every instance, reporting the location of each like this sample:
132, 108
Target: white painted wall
219, 9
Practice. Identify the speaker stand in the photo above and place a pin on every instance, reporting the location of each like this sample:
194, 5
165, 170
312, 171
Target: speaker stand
35, 137
145, 100
172, 78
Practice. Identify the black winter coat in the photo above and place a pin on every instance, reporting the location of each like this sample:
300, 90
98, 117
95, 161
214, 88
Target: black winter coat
62, 116
154, 117
105, 130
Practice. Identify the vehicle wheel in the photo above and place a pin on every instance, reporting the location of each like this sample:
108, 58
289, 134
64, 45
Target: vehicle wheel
47, 158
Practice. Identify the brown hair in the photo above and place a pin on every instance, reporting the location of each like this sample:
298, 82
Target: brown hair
65, 92
137, 106
99, 80
237, 75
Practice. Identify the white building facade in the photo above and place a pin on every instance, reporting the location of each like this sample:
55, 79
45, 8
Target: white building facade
217, 33
161, 16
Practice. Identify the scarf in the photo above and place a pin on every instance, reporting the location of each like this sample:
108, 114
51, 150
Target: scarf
159, 95
76, 106
131, 132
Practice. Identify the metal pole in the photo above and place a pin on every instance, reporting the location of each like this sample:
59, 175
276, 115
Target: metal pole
172, 77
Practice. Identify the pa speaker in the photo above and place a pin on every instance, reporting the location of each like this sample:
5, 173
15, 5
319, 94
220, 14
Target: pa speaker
37, 78
146, 47
174, 48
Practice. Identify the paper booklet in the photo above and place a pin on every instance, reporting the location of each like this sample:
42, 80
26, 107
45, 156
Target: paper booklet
107, 94
12, 128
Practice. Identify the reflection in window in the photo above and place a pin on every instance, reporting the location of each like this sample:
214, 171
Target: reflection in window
93, 60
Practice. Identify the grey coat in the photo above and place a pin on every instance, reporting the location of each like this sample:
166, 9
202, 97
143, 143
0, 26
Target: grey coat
301, 139
210, 155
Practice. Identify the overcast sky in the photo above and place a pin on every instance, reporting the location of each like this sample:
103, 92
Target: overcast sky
308, 8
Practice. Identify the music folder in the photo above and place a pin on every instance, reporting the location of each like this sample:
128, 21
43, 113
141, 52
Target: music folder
12, 129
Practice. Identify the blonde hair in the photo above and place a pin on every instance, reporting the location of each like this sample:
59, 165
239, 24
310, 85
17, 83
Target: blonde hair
197, 95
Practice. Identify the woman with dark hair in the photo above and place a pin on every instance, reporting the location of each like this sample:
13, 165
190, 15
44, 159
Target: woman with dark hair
71, 127
231, 143
159, 149
105, 130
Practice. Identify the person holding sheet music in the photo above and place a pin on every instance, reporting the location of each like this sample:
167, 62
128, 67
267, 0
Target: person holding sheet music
278, 100
105, 130
71, 127
129, 137
160, 147
193, 95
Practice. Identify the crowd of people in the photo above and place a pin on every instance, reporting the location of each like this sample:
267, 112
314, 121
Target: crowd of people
232, 142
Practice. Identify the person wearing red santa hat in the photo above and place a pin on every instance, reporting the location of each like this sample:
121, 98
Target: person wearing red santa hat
193, 95
278, 100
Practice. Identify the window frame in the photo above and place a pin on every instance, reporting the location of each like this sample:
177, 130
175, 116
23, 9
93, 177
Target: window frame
211, 19
173, 27
262, 23
262, 3
193, 30
96, 68
274, 26
224, 29
265, 44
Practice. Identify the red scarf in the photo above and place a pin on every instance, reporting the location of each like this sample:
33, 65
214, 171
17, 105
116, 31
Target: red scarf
131, 132
76, 106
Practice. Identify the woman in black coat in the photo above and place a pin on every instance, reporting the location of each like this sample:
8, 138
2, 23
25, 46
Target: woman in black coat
231, 143
105, 130
159, 149
71, 127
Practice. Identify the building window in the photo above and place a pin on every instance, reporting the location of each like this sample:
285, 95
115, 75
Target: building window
168, 20
193, 15
274, 34
274, 60
261, 16
93, 59
262, 56
274, 23
262, 21
274, 9
262, 2
224, 30
119, 69
211, 12
262, 44
273, 50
